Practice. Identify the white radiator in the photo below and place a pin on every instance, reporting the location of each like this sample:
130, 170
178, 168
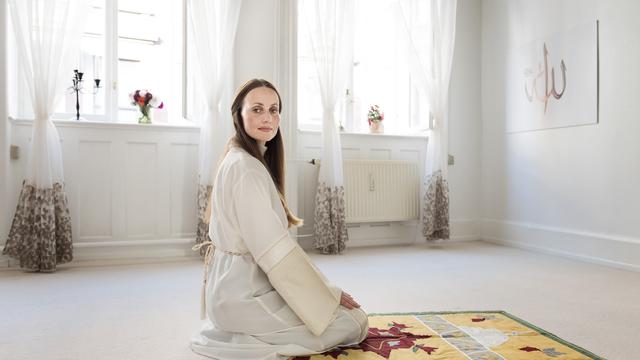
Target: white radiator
381, 190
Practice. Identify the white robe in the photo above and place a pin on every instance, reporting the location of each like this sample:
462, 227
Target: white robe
246, 317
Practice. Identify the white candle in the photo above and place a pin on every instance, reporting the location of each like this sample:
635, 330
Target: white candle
97, 66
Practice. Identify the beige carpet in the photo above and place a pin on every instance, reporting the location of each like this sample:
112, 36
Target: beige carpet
149, 311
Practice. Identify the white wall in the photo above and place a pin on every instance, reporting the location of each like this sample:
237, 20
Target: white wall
465, 121
263, 40
570, 191
131, 188
257, 41
5, 127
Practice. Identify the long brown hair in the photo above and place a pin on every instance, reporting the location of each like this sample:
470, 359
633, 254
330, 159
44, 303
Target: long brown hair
273, 158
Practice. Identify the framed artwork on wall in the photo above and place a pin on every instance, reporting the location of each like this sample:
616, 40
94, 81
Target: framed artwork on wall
553, 82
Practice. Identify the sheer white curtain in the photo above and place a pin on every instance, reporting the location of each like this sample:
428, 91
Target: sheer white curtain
213, 25
330, 28
431, 29
47, 38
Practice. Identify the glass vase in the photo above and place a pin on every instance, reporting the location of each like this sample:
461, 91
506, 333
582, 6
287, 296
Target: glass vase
144, 119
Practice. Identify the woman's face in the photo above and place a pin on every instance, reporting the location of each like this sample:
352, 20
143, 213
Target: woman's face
260, 114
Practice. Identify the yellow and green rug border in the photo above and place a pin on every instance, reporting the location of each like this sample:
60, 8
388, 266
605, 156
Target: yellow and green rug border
510, 316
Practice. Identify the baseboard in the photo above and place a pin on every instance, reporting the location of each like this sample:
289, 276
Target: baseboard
124, 252
465, 230
397, 233
603, 249
144, 251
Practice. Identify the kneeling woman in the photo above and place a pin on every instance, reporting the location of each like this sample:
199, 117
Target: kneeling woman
265, 299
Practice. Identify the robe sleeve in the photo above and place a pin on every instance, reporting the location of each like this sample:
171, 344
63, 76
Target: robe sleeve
288, 267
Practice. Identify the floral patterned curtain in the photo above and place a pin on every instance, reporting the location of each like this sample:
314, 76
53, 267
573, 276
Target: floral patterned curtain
431, 29
213, 25
47, 37
330, 30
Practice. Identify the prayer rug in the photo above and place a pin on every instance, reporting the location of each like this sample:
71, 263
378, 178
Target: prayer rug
484, 335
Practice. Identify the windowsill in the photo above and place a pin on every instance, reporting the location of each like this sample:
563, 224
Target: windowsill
189, 127
109, 125
424, 135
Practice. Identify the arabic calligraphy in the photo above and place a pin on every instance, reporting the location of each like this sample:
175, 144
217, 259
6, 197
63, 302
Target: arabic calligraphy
532, 91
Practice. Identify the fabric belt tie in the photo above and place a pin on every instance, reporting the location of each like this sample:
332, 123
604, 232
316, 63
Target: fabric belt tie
208, 255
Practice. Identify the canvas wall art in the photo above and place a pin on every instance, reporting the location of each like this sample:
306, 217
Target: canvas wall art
553, 82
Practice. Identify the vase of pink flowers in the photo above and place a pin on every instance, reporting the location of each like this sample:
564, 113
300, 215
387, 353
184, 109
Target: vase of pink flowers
145, 100
375, 117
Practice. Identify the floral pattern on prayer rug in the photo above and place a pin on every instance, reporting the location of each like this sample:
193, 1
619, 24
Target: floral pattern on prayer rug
484, 335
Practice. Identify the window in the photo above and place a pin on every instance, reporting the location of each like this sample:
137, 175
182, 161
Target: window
150, 53
128, 45
91, 63
379, 75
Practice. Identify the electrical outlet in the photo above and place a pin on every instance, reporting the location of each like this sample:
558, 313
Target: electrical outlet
14, 152
451, 160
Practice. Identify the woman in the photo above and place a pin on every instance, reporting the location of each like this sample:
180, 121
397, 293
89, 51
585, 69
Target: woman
264, 297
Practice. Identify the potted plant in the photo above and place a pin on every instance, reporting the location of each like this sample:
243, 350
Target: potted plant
375, 117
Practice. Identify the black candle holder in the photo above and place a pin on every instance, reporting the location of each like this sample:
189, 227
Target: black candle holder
79, 89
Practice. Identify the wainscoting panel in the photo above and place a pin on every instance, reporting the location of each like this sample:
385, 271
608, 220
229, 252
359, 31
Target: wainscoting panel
95, 191
183, 173
141, 190
380, 154
131, 188
409, 155
352, 153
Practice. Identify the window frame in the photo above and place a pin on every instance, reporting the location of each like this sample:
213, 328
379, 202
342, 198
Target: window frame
411, 129
21, 103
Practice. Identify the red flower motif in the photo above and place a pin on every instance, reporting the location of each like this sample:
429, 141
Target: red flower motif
529, 349
382, 342
427, 349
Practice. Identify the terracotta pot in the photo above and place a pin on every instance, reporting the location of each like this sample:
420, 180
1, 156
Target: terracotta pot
376, 127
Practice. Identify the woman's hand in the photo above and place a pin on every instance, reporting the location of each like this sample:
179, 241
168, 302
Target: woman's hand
347, 301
